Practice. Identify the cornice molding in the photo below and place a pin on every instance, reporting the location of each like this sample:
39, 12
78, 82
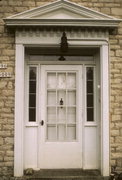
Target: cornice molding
40, 36
67, 22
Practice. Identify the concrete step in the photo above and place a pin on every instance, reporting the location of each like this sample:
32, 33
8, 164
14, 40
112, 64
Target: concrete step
63, 174
69, 178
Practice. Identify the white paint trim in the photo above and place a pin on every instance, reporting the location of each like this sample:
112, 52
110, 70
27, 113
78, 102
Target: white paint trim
104, 65
19, 111
19, 98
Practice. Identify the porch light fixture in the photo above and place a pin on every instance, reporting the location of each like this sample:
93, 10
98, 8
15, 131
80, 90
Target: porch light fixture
63, 47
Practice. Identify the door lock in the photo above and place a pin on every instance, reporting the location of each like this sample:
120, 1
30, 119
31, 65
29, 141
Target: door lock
42, 122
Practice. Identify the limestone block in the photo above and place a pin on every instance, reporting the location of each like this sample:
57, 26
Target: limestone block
7, 9
118, 111
9, 164
14, 3
113, 41
98, 5
121, 132
20, 9
29, 3
10, 85
116, 155
115, 133
10, 153
4, 58
8, 92
119, 98
113, 162
9, 103
8, 127
3, 84
9, 140
6, 110
106, 10
112, 53
107, 1
5, 133
116, 11
1, 158
118, 124
119, 148
112, 139
114, 46
1, 140
116, 117
7, 159
119, 53
118, 139
120, 30
1, 103
120, 41
9, 52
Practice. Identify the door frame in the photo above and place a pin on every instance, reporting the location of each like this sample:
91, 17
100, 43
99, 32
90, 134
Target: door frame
19, 103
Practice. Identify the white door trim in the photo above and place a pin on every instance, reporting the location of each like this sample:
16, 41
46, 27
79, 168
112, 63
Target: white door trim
19, 111
105, 151
19, 104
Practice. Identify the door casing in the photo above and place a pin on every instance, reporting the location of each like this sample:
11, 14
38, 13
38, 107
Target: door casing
19, 104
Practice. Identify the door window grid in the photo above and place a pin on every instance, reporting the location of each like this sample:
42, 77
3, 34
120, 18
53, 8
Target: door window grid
60, 87
32, 94
90, 94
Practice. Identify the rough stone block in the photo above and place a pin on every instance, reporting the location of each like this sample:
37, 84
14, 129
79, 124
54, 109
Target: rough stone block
119, 53
115, 133
116, 11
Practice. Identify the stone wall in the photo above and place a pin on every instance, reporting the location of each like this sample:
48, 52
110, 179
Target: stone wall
7, 56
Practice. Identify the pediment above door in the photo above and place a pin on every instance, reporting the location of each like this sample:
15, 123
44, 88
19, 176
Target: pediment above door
62, 13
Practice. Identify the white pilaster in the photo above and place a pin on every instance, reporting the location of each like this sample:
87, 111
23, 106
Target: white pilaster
104, 110
19, 111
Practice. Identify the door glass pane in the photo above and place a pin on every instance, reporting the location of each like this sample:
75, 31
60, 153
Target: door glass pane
90, 114
61, 114
51, 132
32, 114
51, 114
32, 73
90, 102
32, 86
61, 80
61, 132
51, 98
71, 98
51, 80
71, 115
71, 132
32, 100
89, 86
71, 80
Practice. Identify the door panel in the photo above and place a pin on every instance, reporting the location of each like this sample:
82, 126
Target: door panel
61, 97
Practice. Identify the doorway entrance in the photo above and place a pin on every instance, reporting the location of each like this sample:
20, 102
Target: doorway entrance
62, 113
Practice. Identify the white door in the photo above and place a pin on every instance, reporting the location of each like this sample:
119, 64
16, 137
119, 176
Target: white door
60, 130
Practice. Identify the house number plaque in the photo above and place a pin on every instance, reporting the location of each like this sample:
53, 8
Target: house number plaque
4, 74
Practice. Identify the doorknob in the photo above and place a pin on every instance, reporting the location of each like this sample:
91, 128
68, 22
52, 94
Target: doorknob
42, 122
